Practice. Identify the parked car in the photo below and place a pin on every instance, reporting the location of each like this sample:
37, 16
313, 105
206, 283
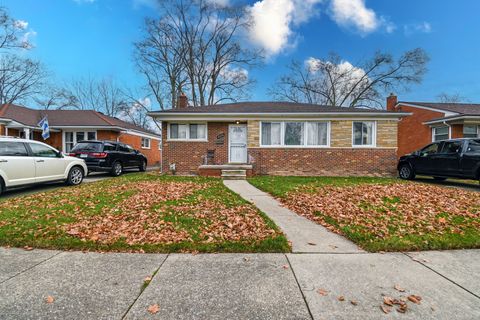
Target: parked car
25, 162
109, 156
456, 158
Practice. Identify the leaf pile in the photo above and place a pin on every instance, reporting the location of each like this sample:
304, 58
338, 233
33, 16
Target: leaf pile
139, 213
132, 220
223, 223
382, 211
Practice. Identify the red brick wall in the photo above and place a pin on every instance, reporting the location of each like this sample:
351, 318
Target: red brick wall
107, 135
55, 139
153, 154
188, 155
412, 133
324, 162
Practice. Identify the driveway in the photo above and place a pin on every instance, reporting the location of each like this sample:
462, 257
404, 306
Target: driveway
93, 177
42, 284
469, 185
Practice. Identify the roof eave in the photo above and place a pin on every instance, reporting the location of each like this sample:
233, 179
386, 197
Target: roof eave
414, 105
270, 115
450, 119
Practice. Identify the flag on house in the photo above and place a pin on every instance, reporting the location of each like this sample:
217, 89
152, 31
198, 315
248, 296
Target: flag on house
45, 128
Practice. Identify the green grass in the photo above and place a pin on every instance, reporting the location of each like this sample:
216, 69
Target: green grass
279, 186
38, 220
400, 237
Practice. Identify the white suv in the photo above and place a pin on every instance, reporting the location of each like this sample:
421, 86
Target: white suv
24, 162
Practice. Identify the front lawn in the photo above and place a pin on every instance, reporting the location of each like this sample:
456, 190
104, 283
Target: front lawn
140, 212
382, 214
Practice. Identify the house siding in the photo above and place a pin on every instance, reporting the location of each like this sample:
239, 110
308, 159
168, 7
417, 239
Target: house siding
338, 160
189, 155
412, 133
324, 162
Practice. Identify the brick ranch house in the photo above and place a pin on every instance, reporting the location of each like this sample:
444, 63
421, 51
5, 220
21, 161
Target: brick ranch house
278, 138
67, 127
431, 122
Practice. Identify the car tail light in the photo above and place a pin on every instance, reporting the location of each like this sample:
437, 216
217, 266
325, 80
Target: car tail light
72, 154
98, 154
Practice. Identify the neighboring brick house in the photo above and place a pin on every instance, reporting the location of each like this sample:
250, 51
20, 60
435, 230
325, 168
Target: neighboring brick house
279, 138
433, 122
69, 126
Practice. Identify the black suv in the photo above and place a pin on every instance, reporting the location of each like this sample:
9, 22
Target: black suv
109, 156
458, 158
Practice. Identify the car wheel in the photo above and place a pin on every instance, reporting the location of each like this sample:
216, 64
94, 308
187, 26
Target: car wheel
143, 166
75, 176
2, 188
406, 172
117, 169
440, 178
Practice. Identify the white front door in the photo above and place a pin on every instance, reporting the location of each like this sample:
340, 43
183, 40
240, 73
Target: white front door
237, 138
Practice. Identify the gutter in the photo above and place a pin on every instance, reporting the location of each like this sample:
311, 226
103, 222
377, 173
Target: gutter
273, 114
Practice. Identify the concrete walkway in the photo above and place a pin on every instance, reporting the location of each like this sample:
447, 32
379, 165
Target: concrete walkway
305, 235
236, 286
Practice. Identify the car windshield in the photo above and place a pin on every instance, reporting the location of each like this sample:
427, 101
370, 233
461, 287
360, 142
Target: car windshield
87, 147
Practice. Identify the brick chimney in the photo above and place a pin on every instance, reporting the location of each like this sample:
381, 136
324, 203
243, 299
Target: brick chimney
391, 102
182, 101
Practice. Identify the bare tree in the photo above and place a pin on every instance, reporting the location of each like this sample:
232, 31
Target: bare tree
335, 82
103, 95
451, 98
12, 32
159, 58
53, 97
20, 79
195, 47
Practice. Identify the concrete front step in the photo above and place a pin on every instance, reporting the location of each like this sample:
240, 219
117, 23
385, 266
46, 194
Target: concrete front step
234, 174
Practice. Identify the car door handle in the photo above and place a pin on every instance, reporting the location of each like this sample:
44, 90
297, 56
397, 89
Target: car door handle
40, 160
3, 161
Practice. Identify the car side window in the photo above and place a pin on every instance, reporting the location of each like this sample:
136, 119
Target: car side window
430, 149
452, 147
13, 149
40, 150
109, 147
473, 146
130, 149
123, 148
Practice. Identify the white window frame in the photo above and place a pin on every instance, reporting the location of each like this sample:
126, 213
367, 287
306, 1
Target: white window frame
374, 135
74, 132
449, 133
471, 125
149, 143
305, 135
188, 132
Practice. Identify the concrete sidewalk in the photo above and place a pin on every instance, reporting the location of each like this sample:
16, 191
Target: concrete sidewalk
305, 235
236, 286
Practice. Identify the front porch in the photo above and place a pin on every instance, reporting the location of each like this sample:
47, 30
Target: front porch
226, 171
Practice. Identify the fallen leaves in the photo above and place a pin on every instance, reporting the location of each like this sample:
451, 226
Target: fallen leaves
341, 298
153, 309
388, 301
398, 288
49, 299
385, 309
381, 211
322, 292
415, 299
150, 216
